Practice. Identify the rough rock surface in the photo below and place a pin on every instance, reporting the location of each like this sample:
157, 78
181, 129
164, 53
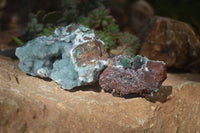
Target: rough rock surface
136, 75
171, 41
29, 104
72, 56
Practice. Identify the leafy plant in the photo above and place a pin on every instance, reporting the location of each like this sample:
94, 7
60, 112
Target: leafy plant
101, 20
115, 41
89, 13
17, 40
47, 31
43, 23
98, 18
127, 44
107, 39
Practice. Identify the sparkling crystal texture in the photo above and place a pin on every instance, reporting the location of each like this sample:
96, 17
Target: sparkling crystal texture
133, 76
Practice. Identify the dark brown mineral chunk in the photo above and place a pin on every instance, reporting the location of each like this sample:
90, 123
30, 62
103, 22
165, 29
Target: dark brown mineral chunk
133, 76
171, 41
162, 94
90, 52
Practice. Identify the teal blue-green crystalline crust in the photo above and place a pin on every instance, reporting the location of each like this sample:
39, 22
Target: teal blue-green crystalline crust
139, 61
125, 62
134, 63
53, 56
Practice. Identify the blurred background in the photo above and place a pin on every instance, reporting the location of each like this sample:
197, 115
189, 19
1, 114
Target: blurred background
15, 13
126, 26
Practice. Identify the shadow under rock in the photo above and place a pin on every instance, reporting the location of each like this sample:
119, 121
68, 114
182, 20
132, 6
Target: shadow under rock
45, 79
160, 96
95, 87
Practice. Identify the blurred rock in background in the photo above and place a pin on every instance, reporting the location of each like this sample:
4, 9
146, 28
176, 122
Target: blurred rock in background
139, 14
160, 38
131, 15
169, 40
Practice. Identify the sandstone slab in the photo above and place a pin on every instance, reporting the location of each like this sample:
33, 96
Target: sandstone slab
30, 104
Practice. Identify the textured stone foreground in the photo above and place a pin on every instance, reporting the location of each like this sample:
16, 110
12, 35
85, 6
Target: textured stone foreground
29, 104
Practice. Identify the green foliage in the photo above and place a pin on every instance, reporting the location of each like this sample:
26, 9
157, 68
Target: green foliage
70, 16
68, 3
111, 28
100, 19
47, 31
74, 9
130, 51
33, 28
127, 44
89, 13
52, 17
107, 39
130, 42
43, 23
17, 40
83, 6
127, 38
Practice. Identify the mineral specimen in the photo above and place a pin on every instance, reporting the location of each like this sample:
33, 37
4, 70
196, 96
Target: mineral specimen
138, 76
171, 41
72, 56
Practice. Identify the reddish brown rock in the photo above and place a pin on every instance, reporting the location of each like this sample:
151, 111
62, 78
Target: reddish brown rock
89, 53
171, 41
138, 75
32, 105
